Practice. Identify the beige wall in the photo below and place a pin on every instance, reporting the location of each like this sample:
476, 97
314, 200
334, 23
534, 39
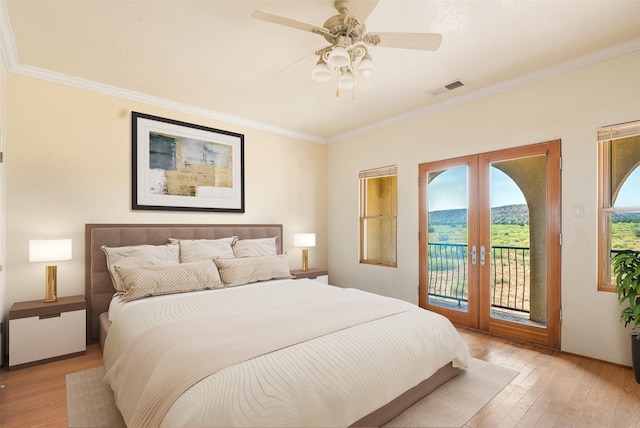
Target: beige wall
68, 163
569, 107
3, 137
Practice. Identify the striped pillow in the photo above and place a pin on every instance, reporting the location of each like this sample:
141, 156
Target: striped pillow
200, 250
255, 247
154, 280
139, 255
246, 270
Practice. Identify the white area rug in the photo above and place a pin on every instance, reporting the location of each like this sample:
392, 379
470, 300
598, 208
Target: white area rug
90, 402
458, 400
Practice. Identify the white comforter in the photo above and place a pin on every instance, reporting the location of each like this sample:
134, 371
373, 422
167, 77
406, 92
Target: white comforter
332, 380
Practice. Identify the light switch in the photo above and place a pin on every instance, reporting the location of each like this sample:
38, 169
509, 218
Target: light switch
578, 210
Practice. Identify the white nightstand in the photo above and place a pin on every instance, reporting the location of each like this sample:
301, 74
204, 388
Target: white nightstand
41, 332
321, 275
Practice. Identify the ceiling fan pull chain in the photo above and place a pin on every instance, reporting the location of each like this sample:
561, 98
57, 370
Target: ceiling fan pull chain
353, 73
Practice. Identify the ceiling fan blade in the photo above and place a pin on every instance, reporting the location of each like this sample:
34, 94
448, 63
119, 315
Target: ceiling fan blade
283, 20
418, 41
361, 9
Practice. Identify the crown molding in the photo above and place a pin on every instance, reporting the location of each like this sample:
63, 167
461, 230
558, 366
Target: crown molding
525, 79
76, 82
7, 44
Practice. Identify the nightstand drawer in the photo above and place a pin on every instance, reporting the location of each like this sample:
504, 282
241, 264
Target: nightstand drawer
43, 337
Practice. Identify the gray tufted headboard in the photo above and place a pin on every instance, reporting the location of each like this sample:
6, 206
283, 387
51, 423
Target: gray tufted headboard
98, 286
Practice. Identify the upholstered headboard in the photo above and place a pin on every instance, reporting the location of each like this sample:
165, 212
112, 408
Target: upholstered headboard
98, 286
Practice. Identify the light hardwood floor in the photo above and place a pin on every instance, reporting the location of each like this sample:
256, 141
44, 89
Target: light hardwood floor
553, 389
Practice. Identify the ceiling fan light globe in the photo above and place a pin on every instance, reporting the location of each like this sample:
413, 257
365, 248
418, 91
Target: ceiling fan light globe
346, 81
339, 57
321, 73
366, 67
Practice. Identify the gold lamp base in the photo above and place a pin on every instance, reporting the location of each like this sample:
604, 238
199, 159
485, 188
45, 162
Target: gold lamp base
305, 260
51, 284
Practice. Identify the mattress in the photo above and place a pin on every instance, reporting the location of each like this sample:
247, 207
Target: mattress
333, 378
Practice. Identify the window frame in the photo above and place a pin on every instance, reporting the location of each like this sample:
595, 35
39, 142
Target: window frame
606, 136
363, 178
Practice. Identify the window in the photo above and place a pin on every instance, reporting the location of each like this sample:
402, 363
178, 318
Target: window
378, 216
619, 216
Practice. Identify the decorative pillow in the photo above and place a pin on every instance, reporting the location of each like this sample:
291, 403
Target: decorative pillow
154, 280
246, 270
255, 247
139, 255
200, 250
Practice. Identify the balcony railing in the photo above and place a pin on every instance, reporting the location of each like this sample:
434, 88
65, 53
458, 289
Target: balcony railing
509, 270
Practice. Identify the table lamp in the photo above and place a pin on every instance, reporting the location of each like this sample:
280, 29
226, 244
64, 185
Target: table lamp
304, 240
50, 250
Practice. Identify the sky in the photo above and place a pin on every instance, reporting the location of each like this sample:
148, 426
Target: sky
448, 190
629, 195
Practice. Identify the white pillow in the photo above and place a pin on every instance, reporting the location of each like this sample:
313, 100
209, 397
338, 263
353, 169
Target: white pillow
200, 250
255, 247
139, 255
154, 280
246, 270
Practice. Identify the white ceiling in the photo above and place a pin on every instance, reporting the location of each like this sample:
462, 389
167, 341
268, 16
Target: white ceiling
211, 57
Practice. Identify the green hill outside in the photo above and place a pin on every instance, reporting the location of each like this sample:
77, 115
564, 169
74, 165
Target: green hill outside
508, 214
510, 227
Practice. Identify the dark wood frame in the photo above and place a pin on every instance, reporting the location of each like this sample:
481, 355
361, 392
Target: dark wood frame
187, 128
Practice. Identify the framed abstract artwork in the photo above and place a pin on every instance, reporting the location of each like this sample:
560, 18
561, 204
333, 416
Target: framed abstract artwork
179, 166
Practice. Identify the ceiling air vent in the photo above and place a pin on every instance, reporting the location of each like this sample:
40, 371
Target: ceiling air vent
448, 87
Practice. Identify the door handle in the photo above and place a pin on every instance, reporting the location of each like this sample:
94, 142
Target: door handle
482, 253
473, 255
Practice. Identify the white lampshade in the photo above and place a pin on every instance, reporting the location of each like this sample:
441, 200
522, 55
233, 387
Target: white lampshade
366, 67
305, 240
321, 72
49, 250
339, 57
346, 81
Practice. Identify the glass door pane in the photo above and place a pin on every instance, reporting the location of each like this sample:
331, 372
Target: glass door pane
447, 254
518, 240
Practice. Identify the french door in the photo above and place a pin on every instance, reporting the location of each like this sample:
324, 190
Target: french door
490, 241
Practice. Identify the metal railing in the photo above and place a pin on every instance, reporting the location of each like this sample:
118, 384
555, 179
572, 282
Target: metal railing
510, 275
448, 271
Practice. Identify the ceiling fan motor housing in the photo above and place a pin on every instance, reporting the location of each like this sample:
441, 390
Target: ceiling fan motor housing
342, 6
343, 24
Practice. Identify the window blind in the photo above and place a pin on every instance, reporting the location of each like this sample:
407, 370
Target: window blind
384, 171
616, 132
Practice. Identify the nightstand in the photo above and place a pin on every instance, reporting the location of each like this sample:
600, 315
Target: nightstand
321, 275
41, 332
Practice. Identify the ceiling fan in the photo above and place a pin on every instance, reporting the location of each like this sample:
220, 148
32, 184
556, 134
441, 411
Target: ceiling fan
348, 52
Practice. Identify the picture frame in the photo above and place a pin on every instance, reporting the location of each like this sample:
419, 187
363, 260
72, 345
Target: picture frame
179, 166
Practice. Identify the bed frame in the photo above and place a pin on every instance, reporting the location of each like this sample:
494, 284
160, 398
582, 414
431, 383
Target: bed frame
99, 288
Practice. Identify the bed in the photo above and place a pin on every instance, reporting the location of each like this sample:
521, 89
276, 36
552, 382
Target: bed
251, 350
